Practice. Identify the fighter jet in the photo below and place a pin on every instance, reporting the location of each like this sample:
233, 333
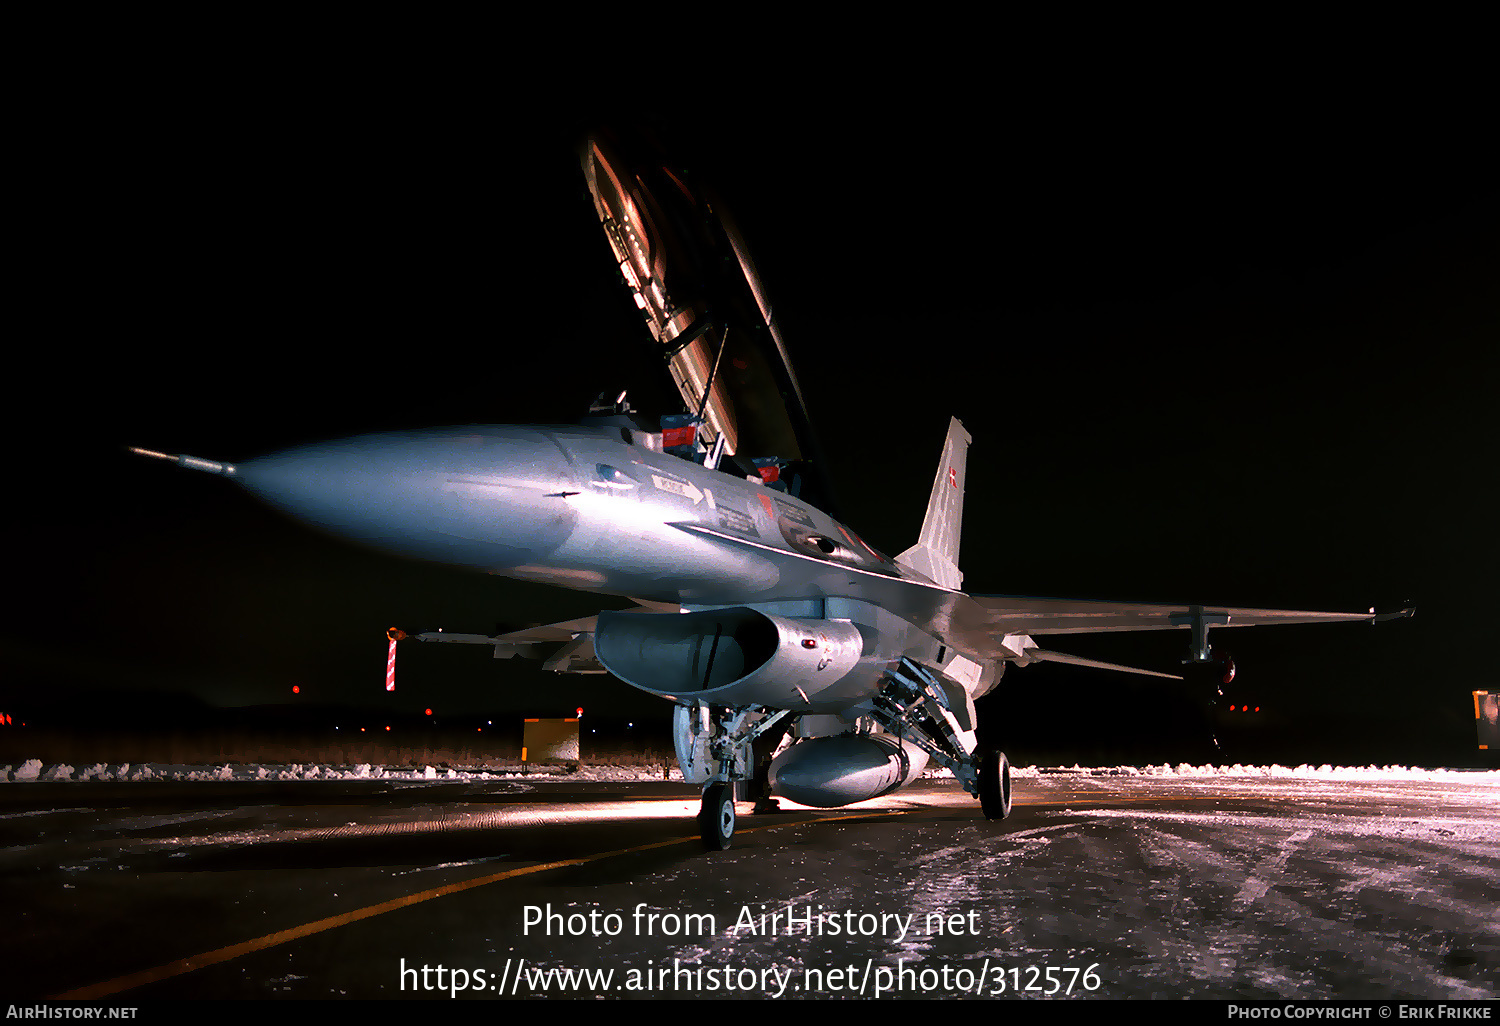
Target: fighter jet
800, 661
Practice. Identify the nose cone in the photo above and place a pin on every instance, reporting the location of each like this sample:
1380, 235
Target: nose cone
482, 497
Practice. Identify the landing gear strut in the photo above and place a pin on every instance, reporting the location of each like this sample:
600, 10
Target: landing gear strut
913, 706
718, 747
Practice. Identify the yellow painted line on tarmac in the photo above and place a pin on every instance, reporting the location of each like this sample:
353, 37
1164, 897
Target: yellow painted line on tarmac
271, 940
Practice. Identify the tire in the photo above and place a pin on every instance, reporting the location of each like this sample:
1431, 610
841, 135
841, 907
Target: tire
716, 817
994, 785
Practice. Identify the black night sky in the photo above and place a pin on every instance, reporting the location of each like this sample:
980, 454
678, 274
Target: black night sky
1231, 350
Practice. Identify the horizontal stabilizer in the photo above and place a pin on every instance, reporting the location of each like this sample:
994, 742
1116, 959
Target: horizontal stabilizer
1043, 656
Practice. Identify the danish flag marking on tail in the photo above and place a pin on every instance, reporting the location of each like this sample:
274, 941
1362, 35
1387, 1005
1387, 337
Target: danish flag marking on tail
953, 477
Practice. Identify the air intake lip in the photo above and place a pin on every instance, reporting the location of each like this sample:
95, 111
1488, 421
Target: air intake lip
732, 656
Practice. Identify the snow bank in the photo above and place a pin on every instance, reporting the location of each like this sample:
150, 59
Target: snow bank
33, 770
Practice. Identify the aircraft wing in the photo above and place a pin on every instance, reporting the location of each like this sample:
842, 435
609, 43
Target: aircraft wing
577, 637
1001, 626
998, 615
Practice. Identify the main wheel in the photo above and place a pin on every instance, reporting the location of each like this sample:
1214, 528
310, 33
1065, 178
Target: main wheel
716, 817
994, 785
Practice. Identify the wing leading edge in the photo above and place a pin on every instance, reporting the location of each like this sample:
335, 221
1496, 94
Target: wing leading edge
1001, 626
576, 637
997, 615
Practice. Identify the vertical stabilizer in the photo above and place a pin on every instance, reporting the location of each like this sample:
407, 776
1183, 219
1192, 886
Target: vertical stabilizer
936, 551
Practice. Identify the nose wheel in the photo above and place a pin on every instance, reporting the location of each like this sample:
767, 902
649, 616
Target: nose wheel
716, 817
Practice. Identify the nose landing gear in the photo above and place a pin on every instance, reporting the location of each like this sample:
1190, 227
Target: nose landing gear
716, 816
716, 747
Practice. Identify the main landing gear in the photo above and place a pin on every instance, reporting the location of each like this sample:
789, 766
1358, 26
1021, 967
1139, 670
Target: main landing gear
913, 705
994, 785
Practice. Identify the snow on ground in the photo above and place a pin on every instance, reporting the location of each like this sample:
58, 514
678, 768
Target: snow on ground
1324, 772
34, 770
